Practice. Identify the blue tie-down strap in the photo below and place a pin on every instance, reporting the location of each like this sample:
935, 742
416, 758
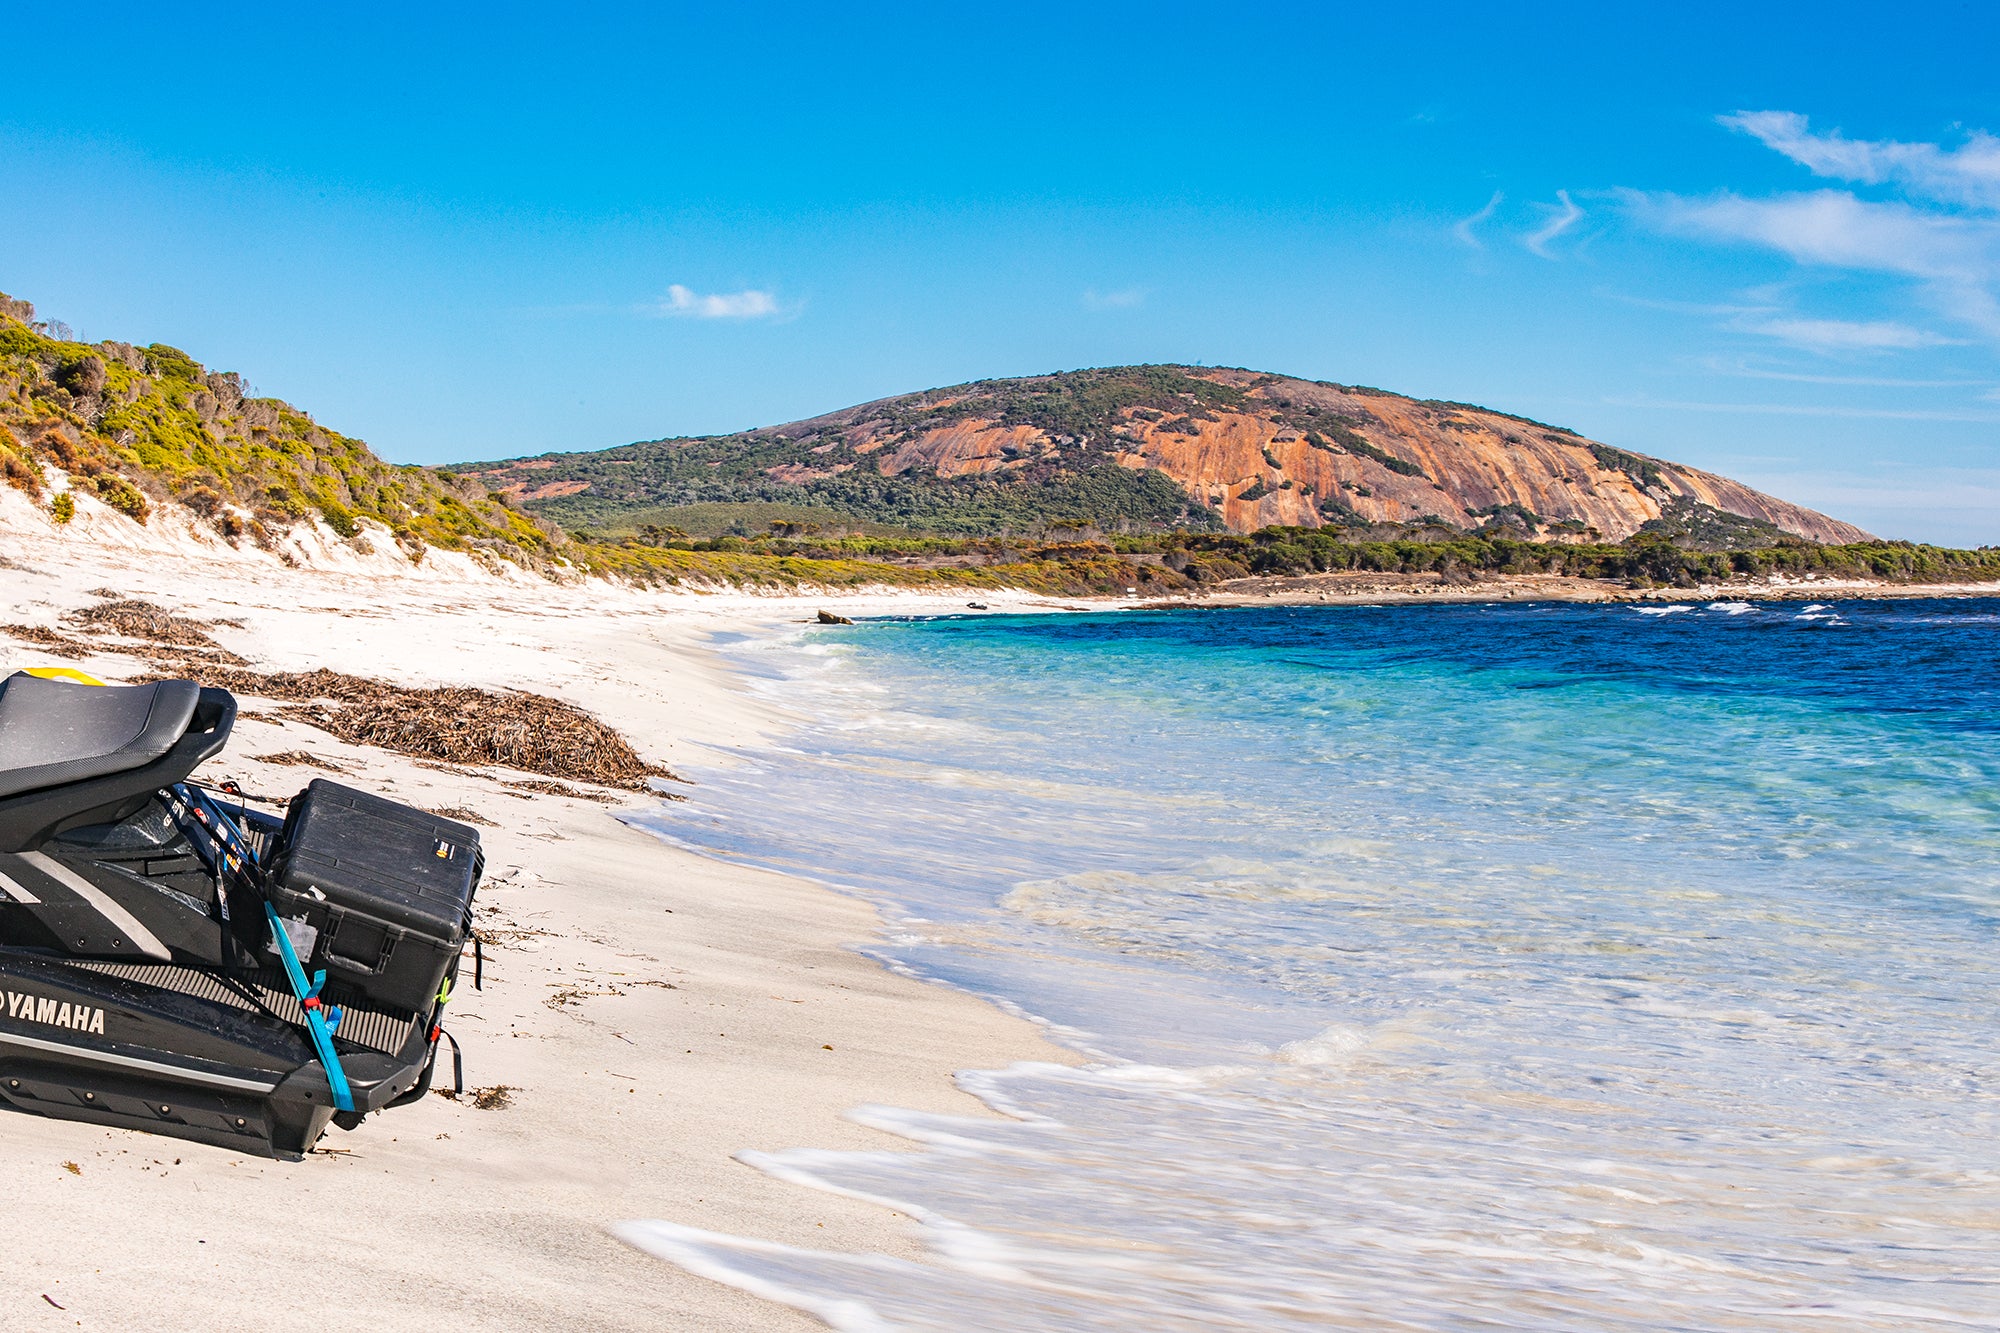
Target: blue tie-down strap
321, 1019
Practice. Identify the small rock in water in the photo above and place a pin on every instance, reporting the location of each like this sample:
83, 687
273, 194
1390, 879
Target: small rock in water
829, 618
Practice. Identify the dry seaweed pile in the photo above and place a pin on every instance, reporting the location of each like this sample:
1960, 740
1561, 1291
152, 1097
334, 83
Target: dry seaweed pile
529, 732
513, 729
297, 759
544, 788
56, 645
298, 686
136, 619
463, 815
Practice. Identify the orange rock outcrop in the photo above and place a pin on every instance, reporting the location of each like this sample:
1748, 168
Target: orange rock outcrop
1470, 460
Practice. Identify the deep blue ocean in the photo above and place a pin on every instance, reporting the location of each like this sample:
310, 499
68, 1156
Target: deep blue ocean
1438, 967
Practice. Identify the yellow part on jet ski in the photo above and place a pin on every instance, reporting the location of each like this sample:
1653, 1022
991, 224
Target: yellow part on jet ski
62, 673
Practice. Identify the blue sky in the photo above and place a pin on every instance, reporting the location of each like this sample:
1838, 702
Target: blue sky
1759, 239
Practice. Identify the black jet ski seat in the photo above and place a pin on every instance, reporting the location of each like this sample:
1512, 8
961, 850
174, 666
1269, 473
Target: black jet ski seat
73, 754
54, 732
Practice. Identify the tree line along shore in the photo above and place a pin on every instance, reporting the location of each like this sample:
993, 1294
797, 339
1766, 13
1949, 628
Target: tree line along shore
1194, 563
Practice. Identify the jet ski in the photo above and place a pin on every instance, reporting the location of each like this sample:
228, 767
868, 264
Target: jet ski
175, 961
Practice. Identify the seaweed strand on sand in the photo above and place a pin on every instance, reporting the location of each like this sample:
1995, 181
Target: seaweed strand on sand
516, 729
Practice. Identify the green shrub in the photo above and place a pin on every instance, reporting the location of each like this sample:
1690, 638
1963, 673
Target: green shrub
286, 503
1644, 472
83, 375
122, 495
20, 470
172, 363
63, 508
339, 518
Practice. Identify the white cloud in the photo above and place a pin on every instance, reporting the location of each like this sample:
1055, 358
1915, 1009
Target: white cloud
1967, 176
1844, 335
681, 301
1464, 227
1765, 312
1953, 257
1834, 228
1560, 221
1126, 298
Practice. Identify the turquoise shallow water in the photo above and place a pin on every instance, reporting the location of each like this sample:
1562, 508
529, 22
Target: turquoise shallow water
1537, 967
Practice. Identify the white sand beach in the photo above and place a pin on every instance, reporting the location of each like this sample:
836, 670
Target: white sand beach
647, 1012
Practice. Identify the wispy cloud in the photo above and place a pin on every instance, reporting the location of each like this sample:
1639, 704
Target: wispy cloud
1717, 308
1954, 258
1466, 228
1738, 370
1967, 176
1954, 506
684, 302
1844, 335
1766, 313
1561, 219
1834, 228
1126, 298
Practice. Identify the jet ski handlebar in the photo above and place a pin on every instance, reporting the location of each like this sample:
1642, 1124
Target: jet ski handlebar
208, 731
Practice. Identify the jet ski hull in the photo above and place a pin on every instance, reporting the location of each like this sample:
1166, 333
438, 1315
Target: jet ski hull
189, 1053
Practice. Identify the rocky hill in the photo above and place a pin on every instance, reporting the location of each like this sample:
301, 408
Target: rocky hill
1152, 447
151, 434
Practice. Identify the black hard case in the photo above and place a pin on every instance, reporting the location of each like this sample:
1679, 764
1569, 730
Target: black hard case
388, 887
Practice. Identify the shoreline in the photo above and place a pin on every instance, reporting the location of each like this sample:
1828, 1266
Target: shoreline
1346, 588
647, 1014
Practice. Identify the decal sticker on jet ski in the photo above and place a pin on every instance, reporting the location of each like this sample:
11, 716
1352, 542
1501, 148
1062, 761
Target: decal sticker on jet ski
100, 901
55, 1013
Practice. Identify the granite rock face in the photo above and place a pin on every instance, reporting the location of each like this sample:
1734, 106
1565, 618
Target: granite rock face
1245, 450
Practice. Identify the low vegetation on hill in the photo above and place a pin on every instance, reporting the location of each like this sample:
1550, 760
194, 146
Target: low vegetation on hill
142, 427
1080, 421
817, 464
